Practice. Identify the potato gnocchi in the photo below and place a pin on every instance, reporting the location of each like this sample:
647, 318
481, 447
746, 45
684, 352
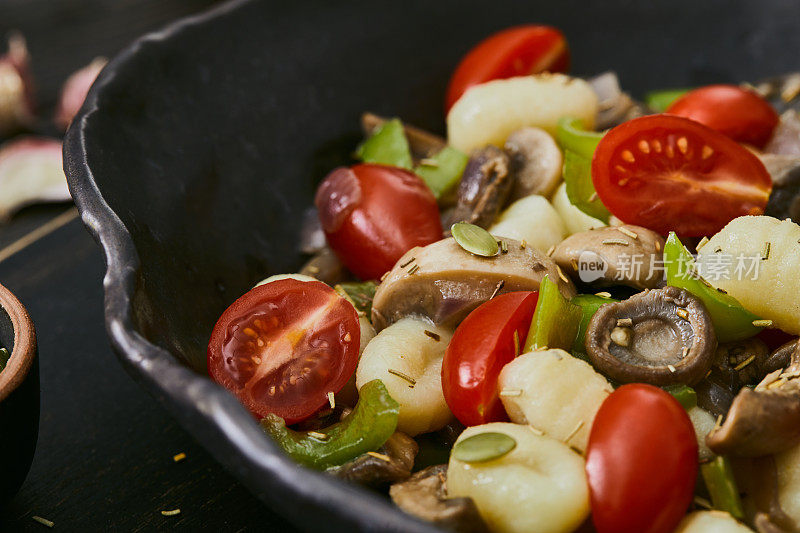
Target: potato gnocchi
555, 393
541, 480
771, 290
533, 220
409, 362
490, 112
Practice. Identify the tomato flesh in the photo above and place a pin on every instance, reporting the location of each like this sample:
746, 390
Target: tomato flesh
738, 113
373, 214
641, 461
283, 346
516, 51
481, 346
670, 173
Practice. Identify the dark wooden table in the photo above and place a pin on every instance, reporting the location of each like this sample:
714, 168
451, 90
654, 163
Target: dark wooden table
105, 456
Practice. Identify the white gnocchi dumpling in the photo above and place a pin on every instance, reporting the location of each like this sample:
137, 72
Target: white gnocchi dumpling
788, 466
766, 252
488, 113
538, 487
555, 393
711, 522
409, 362
531, 219
575, 220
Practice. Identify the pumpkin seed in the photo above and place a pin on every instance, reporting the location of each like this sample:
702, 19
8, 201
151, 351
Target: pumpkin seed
483, 447
475, 239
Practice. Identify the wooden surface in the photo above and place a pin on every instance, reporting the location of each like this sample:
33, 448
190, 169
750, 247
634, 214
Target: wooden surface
105, 456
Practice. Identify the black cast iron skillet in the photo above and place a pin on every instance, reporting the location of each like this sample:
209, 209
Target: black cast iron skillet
199, 146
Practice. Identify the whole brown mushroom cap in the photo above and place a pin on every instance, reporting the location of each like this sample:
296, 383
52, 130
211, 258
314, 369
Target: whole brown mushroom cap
662, 337
631, 256
764, 420
536, 161
377, 472
424, 495
444, 282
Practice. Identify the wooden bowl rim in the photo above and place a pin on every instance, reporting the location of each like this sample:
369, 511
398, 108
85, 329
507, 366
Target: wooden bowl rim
24, 343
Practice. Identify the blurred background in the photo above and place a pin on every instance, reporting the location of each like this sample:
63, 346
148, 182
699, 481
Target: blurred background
106, 453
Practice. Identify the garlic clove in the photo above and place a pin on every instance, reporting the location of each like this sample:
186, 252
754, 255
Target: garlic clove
31, 172
16, 87
74, 91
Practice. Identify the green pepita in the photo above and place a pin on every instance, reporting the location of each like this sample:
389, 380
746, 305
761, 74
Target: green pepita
475, 239
483, 447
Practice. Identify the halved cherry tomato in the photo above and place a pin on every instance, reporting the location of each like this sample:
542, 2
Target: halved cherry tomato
641, 461
512, 52
373, 214
283, 346
740, 114
491, 336
670, 173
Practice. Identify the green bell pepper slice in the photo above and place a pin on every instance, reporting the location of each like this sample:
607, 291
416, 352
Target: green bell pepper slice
572, 136
367, 428
360, 294
442, 172
580, 189
721, 485
659, 101
387, 146
556, 321
589, 304
685, 395
732, 322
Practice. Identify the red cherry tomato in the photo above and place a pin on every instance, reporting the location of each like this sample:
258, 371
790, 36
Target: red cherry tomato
283, 346
641, 461
481, 346
740, 114
512, 52
373, 214
670, 173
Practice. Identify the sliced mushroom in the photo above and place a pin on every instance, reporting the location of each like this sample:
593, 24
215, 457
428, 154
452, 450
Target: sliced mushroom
620, 255
757, 480
445, 282
781, 357
424, 495
613, 106
422, 143
326, 267
484, 188
536, 162
661, 336
764, 420
736, 364
784, 200
374, 470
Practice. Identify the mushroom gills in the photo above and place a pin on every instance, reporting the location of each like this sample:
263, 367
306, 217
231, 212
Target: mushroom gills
659, 336
654, 342
424, 495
